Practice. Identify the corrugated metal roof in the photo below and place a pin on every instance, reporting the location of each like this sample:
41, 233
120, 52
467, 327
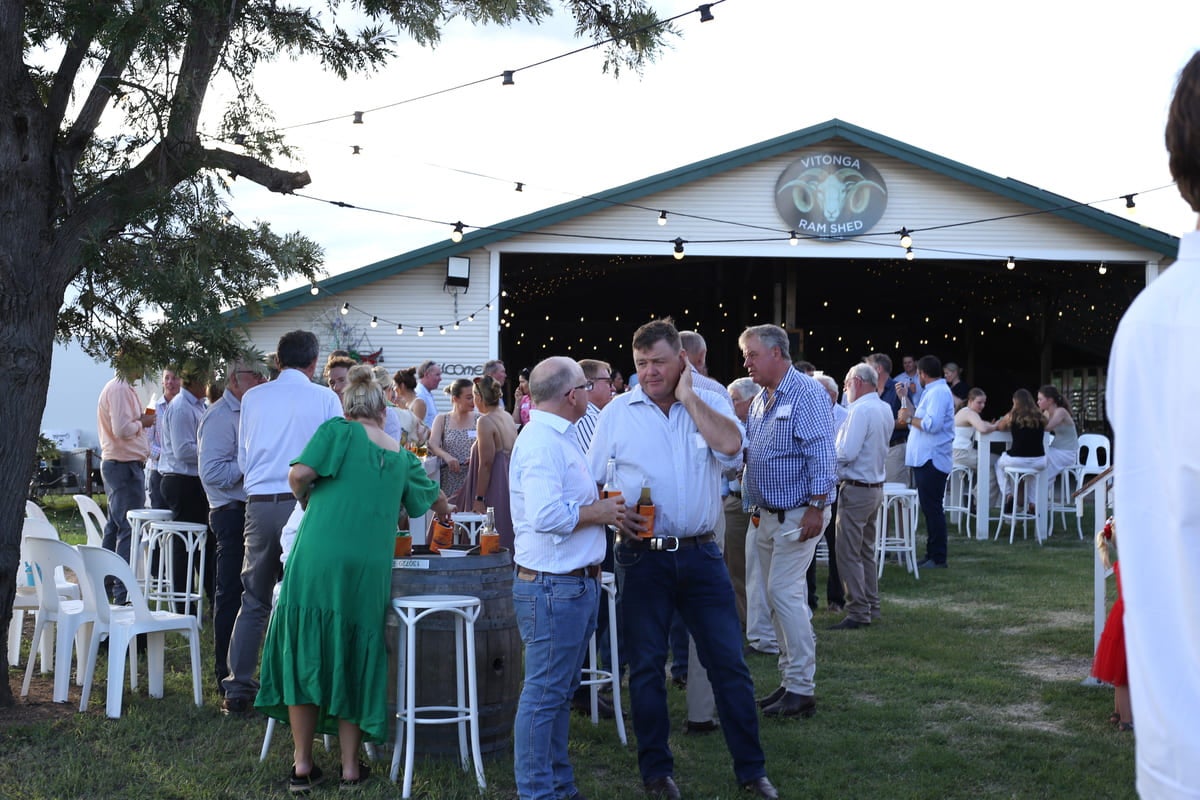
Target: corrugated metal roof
1019, 191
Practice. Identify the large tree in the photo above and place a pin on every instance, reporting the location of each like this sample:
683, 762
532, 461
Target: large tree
112, 228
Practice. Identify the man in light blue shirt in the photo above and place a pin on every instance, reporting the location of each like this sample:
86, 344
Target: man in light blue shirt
930, 453
558, 521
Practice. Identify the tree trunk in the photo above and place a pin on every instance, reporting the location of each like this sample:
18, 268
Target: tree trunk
26, 346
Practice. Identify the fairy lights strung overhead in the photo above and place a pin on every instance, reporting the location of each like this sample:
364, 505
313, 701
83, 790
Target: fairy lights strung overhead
679, 254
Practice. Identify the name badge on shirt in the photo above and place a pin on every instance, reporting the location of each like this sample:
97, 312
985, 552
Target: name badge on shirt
783, 411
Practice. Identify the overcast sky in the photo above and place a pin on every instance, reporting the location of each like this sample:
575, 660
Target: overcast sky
1068, 96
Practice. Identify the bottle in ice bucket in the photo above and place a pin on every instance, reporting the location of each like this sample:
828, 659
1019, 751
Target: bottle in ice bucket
489, 537
610, 482
440, 535
645, 508
403, 545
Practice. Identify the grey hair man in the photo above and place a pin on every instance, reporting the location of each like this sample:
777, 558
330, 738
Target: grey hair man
221, 476
429, 375
741, 547
861, 446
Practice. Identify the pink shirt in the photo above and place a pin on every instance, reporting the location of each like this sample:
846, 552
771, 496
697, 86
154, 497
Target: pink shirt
119, 420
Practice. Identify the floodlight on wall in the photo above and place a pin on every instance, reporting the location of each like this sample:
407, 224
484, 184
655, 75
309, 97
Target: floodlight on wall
458, 271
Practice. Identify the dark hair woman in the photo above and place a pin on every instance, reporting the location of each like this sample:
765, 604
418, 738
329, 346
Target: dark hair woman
487, 478
1028, 428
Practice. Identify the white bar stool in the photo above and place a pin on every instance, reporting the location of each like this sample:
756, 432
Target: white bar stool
466, 526
411, 610
139, 522
960, 487
593, 676
160, 588
1061, 502
1019, 478
900, 535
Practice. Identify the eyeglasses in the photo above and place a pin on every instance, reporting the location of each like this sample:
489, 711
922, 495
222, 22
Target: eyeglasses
587, 387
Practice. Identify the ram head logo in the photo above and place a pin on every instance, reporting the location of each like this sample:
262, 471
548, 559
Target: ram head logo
832, 191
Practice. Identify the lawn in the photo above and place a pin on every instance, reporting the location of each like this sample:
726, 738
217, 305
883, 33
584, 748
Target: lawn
970, 687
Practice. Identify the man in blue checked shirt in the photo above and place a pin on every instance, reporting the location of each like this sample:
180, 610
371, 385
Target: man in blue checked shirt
791, 471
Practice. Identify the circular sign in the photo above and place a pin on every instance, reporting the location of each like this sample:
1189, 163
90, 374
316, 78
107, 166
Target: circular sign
831, 196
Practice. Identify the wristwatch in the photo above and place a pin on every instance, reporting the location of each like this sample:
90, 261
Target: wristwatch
818, 504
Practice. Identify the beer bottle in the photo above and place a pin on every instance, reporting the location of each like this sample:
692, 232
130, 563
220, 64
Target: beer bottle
489, 538
610, 488
645, 508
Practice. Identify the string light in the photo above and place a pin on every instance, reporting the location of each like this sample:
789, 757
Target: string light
1129, 204
345, 308
399, 329
909, 255
507, 78
421, 331
705, 10
314, 290
793, 239
355, 150
441, 330
678, 249
1010, 264
374, 321
457, 234
1103, 269
520, 187
905, 239
662, 217
455, 324
358, 117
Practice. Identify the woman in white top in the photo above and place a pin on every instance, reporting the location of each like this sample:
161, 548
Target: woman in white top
967, 422
1063, 451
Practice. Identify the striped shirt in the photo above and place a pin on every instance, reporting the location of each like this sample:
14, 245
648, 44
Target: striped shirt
791, 457
586, 426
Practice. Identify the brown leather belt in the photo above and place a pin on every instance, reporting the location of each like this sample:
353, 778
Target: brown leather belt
862, 484
282, 497
590, 571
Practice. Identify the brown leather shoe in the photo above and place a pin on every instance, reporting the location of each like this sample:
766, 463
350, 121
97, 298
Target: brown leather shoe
761, 787
792, 704
662, 788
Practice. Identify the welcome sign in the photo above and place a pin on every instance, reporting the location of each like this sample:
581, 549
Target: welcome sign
830, 195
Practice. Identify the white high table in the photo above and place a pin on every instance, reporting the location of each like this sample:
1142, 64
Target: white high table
983, 477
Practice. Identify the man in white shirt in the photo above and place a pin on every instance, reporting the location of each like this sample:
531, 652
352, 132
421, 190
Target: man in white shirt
558, 522
910, 376
429, 375
861, 446
1156, 461
930, 455
277, 420
677, 440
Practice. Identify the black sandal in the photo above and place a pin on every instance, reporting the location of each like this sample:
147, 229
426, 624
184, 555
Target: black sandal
303, 784
364, 772
1125, 727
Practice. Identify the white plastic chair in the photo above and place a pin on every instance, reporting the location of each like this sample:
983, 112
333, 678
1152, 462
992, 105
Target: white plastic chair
26, 598
34, 511
71, 618
1095, 455
94, 520
123, 627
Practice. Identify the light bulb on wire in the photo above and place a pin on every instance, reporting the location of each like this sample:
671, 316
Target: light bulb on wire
374, 321
679, 254
345, 308
793, 239
905, 238
314, 290
399, 329
662, 218
1010, 264
909, 255
456, 235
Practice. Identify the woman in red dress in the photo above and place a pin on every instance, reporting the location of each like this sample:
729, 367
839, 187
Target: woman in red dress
1109, 664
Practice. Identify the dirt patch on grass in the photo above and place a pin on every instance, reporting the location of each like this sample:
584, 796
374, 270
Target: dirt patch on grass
1055, 668
1028, 716
38, 705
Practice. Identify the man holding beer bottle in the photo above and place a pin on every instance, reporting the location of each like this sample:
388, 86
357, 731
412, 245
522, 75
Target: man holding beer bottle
676, 440
558, 524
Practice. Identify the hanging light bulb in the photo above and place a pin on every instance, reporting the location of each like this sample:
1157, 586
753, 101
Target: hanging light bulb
507, 78
909, 255
905, 238
1010, 264
455, 324
421, 331
358, 117
678, 249
520, 186
1103, 269
662, 218
374, 321
314, 290
399, 329
442, 330
1129, 204
345, 308
457, 234
470, 318
705, 10
793, 239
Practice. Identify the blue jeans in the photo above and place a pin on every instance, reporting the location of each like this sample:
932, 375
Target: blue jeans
227, 525
125, 486
931, 491
694, 582
556, 616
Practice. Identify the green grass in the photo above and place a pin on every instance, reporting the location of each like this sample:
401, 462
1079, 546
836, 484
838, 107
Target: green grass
970, 687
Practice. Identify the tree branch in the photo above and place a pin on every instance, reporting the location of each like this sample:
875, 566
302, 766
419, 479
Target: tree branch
276, 180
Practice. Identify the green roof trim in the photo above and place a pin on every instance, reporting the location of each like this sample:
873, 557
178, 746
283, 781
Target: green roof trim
1101, 221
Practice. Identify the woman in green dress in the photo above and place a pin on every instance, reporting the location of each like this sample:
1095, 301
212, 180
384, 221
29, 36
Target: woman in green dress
324, 664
